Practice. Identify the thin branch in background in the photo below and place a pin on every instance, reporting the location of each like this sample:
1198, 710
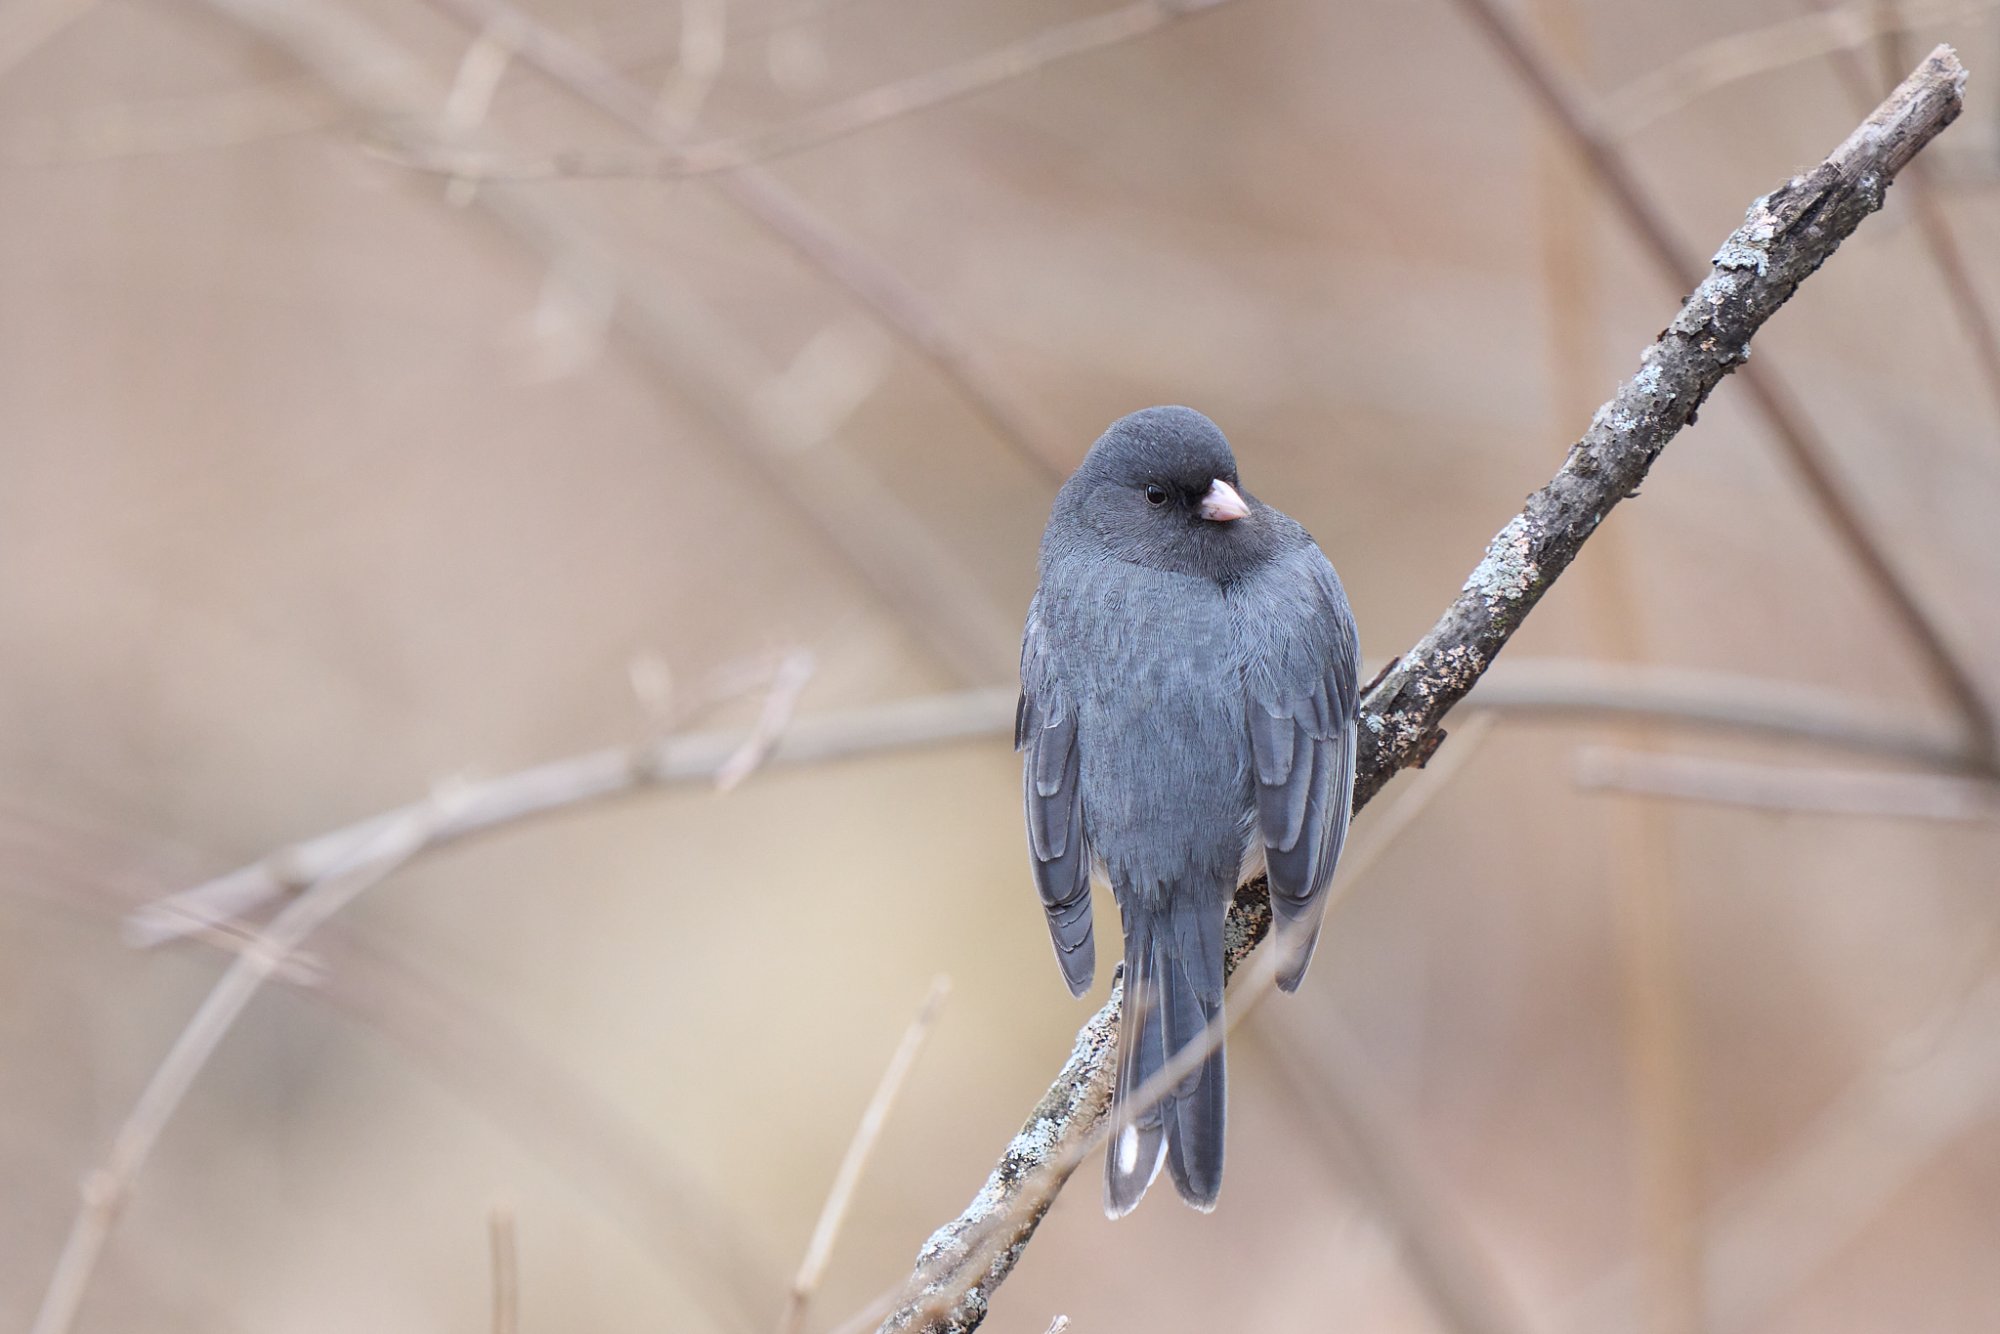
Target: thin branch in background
1787, 236
1792, 790
470, 98
1712, 66
929, 587
619, 1162
1571, 109
1659, 1065
864, 110
480, 71
698, 59
1810, 1205
30, 25
506, 1270
106, 1189
458, 1043
1551, 689
871, 280
156, 127
840, 1197
1326, 1074
772, 720
1961, 290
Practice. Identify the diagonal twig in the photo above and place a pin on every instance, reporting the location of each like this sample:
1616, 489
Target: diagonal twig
1786, 236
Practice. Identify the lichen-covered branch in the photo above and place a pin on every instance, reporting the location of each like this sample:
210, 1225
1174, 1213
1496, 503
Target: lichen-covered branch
1785, 236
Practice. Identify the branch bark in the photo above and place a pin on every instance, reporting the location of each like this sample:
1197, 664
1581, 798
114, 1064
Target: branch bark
1786, 235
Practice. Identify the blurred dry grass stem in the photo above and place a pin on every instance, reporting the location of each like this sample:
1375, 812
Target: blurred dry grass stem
506, 1260
819, 1251
1361, 1137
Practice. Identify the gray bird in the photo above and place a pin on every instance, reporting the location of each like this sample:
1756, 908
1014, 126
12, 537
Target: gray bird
1187, 710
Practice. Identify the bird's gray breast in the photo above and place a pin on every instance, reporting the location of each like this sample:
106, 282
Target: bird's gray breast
1165, 765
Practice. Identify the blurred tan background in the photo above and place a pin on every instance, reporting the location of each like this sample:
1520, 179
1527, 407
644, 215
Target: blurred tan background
326, 481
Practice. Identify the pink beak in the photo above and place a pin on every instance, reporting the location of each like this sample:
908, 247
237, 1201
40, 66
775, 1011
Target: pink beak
1222, 503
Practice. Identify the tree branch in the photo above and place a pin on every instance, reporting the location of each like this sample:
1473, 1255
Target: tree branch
1785, 236
1536, 688
1572, 112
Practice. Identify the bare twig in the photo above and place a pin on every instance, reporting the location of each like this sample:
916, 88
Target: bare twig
841, 1196
1573, 112
1845, 792
106, 1189
775, 717
506, 1270
870, 279
1787, 236
919, 92
1529, 688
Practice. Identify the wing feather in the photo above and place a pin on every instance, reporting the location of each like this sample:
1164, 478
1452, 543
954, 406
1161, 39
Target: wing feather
1303, 697
1045, 728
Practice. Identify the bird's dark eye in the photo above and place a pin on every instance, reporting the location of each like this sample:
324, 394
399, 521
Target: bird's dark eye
1156, 494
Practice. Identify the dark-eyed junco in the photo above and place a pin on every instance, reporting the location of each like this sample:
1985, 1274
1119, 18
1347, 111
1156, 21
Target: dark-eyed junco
1187, 710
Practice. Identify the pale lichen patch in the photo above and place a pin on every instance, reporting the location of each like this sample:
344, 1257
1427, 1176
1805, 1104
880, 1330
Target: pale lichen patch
1509, 570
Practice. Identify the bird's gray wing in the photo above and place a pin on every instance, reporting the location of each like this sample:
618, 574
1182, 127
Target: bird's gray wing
1300, 678
1045, 729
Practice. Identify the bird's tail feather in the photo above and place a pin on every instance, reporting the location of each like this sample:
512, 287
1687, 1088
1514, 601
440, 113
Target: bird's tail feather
1173, 994
1132, 1159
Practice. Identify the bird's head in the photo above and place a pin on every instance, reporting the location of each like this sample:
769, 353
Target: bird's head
1159, 489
